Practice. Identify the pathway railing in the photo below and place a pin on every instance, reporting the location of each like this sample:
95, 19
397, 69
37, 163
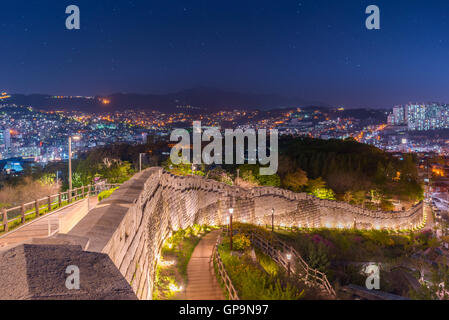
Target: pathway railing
279, 251
18, 215
224, 277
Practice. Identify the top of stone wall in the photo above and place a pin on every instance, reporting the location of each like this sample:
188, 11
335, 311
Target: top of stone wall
102, 222
37, 272
184, 182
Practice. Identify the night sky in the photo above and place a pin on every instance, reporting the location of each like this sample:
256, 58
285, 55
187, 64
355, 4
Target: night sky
315, 49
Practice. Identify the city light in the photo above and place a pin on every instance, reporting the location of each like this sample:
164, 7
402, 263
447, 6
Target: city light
4, 96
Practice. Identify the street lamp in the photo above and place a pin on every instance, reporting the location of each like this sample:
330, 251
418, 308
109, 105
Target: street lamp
272, 220
76, 138
289, 258
140, 161
231, 211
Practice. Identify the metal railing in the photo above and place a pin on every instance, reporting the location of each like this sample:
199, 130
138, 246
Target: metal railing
224, 277
278, 251
18, 215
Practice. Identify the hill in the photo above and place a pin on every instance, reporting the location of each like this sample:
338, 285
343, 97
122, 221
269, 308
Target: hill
201, 99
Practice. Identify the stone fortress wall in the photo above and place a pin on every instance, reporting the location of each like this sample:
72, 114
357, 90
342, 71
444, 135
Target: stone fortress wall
131, 226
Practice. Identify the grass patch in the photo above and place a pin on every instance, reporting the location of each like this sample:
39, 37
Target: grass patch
106, 194
269, 265
168, 282
251, 280
171, 272
182, 243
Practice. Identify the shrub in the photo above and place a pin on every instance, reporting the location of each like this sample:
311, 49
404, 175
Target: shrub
268, 264
220, 175
318, 257
295, 181
386, 205
253, 283
27, 190
241, 242
106, 194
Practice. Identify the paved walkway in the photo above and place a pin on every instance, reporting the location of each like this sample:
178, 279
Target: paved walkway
430, 221
201, 281
39, 228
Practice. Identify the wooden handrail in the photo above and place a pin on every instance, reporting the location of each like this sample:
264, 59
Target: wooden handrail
48, 202
216, 259
277, 250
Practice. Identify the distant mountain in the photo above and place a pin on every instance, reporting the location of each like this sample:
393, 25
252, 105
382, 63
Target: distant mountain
204, 99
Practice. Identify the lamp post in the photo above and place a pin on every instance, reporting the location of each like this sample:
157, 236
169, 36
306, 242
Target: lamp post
231, 211
272, 220
140, 161
289, 258
76, 138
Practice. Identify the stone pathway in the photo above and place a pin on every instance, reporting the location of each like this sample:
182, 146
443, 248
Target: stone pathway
38, 228
202, 283
430, 223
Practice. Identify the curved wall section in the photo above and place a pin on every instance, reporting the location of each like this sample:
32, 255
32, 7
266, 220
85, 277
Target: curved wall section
133, 223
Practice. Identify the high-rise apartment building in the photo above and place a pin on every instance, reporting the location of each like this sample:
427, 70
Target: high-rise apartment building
421, 117
5, 139
398, 115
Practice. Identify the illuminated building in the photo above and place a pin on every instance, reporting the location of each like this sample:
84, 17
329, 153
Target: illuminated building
420, 117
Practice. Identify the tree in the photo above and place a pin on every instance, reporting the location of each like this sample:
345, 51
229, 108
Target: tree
295, 181
48, 178
376, 196
249, 177
315, 184
360, 197
118, 173
325, 193
348, 196
317, 187
251, 174
272, 180
386, 205
77, 181
318, 257
220, 175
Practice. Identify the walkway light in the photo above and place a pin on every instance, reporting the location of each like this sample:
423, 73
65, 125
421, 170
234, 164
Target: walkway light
289, 258
75, 138
140, 161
